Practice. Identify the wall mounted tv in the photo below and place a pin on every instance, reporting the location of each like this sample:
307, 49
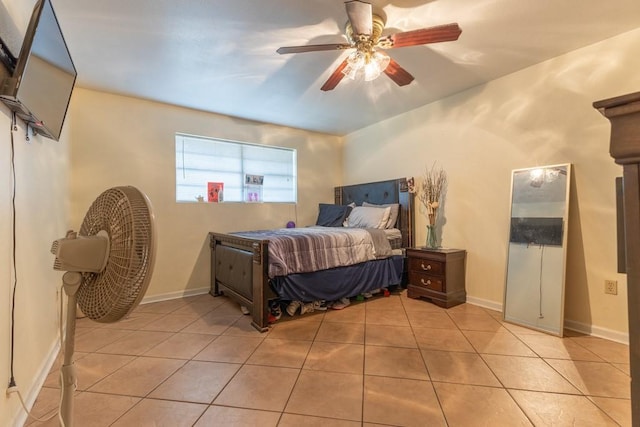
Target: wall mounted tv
40, 86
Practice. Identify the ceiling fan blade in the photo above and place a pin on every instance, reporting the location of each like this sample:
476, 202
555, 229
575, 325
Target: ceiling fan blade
398, 74
335, 78
441, 33
313, 48
361, 17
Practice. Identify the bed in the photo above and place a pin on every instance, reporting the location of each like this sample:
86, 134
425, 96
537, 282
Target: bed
240, 267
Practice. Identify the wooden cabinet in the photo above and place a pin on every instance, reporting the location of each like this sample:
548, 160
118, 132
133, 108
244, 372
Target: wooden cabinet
624, 114
438, 275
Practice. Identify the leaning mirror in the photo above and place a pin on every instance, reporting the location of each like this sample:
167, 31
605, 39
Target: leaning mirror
534, 291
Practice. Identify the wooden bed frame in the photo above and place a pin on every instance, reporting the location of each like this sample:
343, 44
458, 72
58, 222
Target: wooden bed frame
239, 265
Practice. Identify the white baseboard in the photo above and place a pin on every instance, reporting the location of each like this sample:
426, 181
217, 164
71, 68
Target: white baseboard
597, 331
34, 391
175, 295
491, 305
573, 325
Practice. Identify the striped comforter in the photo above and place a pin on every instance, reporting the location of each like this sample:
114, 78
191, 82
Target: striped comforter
303, 250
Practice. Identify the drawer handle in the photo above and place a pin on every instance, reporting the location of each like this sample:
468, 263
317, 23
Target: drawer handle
427, 283
428, 267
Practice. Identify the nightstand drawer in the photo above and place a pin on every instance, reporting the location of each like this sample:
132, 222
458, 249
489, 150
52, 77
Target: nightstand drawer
426, 281
426, 265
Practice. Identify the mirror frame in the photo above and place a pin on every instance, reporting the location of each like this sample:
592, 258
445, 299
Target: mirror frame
559, 328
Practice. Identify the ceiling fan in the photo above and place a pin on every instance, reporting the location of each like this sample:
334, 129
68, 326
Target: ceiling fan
364, 32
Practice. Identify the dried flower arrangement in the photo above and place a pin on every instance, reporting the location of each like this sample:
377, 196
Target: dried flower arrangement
433, 184
429, 193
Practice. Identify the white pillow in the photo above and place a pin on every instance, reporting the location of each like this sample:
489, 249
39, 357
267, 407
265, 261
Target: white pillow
393, 216
368, 217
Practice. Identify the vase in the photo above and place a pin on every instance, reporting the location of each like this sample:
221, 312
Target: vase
432, 241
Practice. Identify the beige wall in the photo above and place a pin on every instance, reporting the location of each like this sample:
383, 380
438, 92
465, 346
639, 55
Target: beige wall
125, 141
538, 116
41, 197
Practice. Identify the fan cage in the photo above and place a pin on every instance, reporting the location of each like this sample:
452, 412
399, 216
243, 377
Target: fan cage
57, 264
124, 213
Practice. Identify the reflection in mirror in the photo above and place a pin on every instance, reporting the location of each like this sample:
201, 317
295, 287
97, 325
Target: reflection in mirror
534, 291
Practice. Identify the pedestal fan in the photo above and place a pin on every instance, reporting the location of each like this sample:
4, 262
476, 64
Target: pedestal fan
108, 266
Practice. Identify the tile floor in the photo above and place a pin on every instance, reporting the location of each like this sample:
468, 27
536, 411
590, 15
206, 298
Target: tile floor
384, 362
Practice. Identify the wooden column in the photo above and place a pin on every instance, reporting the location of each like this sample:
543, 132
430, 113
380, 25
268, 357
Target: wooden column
624, 114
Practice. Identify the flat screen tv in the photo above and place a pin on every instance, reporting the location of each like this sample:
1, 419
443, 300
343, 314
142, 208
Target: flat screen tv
40, 86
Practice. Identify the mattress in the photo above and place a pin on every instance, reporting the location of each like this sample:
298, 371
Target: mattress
304, 250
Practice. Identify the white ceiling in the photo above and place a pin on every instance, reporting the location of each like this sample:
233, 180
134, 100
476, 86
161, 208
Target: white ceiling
220, 55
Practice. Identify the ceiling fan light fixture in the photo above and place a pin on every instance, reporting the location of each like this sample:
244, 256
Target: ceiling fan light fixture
364, 34
369, 65
377, 63
355, 63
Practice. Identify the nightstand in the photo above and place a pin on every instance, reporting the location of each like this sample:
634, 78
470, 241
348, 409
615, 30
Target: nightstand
438, 275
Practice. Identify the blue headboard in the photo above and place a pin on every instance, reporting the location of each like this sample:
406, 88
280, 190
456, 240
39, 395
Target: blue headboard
383, 192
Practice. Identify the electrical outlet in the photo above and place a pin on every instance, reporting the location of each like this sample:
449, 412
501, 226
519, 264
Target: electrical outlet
611, 287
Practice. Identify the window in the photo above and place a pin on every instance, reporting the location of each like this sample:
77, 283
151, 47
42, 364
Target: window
248, 172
